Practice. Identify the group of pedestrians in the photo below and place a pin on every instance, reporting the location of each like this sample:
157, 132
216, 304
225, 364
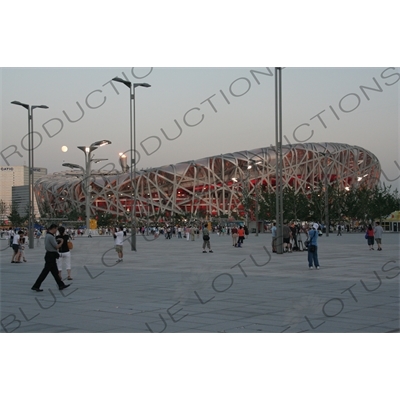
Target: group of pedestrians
18, 241
289, 237
56, 248
238, 234
58, 252
374, 234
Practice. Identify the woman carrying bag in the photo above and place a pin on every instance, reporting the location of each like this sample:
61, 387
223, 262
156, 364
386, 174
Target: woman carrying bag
370, 236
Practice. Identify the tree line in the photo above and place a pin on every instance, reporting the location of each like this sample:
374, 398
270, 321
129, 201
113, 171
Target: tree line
357, 204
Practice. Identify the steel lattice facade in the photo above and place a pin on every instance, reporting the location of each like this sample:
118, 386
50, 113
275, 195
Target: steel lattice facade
212, 185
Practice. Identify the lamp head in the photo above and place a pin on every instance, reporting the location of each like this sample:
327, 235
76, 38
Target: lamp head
101, 143
69, 165
18, 103
126, 83
146, 85
41, 106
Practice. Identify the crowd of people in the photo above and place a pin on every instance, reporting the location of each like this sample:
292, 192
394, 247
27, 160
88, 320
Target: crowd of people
58, 242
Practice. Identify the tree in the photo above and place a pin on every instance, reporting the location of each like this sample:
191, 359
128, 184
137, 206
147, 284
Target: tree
3, 210
46, 209
382, 202
75, 213
267, 205
295, 205
104, 218
316, 206
337, 198
14, 217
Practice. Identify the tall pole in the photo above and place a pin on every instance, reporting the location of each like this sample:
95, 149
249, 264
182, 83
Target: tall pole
278, 165
30, 167
257, 192
133, 168
257, 199
87, 186
32, 181
132, 87
30, 178
326, 195
87, 173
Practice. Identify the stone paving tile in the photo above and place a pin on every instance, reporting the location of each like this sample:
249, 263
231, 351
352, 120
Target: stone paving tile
164, 275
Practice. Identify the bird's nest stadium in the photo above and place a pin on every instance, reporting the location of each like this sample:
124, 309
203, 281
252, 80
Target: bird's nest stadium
210, 186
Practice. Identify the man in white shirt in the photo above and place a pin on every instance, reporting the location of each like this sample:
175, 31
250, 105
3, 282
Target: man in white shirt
378, 230
119, 241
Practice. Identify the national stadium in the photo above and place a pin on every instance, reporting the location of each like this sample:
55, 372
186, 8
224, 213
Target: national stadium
210, 186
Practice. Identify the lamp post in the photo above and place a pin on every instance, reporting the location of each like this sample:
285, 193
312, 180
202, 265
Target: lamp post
326, 201
256, 163
31, 207
132, 87
87, 172
278, 163
326, 193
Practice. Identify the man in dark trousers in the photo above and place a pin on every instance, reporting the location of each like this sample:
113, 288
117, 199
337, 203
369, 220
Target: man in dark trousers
50, 258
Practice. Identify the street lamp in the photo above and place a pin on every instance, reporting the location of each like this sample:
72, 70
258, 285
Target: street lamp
70, 165
87, 150
132, 87
325, 154
278, 162
256, 163
326, 193
31, 207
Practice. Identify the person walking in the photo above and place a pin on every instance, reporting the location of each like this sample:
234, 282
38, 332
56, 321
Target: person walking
339, 230
286, 233
273, 232
187, 231
16, 258
378, 230
11, 234
16, 245
38, 236
234, 236
51, 245
119, 241
206, 240
293, 232
65, 254
23, 241
241, 233
192, 233
313, 247
370, 237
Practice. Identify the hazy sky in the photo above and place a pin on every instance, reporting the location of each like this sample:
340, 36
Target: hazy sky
190, 113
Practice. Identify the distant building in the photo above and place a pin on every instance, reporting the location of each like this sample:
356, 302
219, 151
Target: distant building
392, 222
20, 199
14, 187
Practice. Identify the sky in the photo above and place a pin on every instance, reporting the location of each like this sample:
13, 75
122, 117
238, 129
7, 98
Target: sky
60, 54
190, 113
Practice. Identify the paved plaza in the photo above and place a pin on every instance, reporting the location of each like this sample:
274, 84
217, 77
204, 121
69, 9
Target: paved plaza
171, 286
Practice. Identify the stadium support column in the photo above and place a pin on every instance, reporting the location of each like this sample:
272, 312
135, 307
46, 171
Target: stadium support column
278, 165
